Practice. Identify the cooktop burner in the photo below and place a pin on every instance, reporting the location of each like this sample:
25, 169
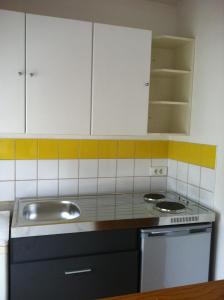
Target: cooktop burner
169, 206
153, 197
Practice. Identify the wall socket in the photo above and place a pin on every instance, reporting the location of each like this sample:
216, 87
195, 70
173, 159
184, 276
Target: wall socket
158, 171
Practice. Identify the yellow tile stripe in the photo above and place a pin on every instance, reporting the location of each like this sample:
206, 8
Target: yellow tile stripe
7, 149
199, 154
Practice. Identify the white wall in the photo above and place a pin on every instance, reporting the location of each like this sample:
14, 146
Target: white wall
204, 19
160, 18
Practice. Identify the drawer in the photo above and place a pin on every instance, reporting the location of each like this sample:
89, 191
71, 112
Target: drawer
77, 278
69, 245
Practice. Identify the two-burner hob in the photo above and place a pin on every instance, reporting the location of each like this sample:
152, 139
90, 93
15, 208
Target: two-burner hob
154, 197
163, 204
170, 207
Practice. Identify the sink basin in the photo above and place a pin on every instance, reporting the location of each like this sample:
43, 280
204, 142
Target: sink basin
50, 211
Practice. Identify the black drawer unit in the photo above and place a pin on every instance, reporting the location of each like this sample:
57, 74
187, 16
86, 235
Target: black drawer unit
103, 265
87, 277
74, 244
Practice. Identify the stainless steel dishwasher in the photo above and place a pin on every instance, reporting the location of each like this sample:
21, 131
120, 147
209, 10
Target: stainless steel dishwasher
175, 256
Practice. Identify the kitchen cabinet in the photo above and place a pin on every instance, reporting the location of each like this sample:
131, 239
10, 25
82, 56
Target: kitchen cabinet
63, 76
120, 85
12, 72
88, 277
58, 85
86, 265
171, 84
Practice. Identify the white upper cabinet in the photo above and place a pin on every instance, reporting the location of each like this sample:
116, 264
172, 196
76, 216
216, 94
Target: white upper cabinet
58, 65
12, 72
120, 88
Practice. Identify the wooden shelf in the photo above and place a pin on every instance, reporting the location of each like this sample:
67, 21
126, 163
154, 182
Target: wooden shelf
167, 41
169, 72
169, 103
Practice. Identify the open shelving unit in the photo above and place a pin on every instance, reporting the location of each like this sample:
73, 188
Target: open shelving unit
171, 84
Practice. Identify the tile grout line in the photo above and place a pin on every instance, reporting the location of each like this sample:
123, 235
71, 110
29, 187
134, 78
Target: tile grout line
78, 161
97, 174
58, 174
187, 179
37, 169
150, 184
14, 171
116, 167
200, 185
133, 190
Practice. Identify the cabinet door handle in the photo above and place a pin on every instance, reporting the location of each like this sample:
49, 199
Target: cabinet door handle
78, 271
32, 74
147, 84
20, 73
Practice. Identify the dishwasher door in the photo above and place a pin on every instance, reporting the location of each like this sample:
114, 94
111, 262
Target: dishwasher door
174, 256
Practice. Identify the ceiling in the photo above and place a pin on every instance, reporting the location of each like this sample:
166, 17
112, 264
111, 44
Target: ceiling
170, 2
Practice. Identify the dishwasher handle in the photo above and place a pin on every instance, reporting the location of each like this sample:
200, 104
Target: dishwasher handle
175, 232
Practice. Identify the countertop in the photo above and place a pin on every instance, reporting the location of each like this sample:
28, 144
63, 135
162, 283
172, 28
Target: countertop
213, 290
4, 228
6, 208
7, 205
106, 212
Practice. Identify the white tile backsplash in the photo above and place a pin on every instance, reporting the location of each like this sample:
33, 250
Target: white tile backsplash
207, 179
125, 167
7, 170
172, 168
193, 192
206, 198
26, 169
142, 167
159, 162
91, 176
47, 188
7, 190
68, 168
87, 186
182, 171
171, 184
194, 174
68, 187
26, 188
182, 188
48, 169
158, 184
124, 184
195, 182
141, 184
88, 168
107, 168
106, 185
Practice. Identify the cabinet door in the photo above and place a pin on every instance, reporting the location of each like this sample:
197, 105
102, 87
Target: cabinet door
12, 72
88, 277
121, 68
58, 75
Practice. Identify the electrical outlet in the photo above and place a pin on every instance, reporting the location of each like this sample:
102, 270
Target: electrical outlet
158, 171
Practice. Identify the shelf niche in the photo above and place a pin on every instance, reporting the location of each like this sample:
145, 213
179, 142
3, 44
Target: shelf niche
171, 85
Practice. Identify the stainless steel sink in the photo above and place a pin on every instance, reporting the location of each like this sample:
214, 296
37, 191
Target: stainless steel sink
50, 211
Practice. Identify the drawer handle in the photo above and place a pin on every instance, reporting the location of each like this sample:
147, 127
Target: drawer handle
77, 272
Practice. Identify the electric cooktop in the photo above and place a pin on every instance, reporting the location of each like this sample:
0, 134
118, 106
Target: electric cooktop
145, 209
